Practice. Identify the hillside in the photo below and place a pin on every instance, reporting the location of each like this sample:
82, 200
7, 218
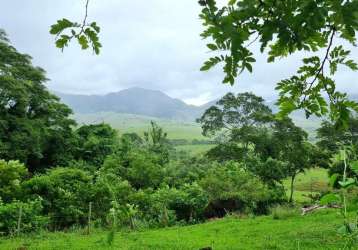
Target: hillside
313, 231
126, 123
137, 101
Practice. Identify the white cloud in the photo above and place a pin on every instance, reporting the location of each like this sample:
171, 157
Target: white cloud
152, 44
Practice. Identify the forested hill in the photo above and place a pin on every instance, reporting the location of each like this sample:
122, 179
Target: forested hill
137, 101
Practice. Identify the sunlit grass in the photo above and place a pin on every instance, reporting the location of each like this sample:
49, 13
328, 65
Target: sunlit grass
313, 231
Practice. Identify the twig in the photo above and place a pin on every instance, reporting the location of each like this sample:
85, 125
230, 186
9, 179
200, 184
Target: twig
321, 68
85, 19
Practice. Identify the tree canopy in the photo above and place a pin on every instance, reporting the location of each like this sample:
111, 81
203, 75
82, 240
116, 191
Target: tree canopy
35, 126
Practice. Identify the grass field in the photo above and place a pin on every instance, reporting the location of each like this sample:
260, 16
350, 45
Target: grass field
313, 231
135, 123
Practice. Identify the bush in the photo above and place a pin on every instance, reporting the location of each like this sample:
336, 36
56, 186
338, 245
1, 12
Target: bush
281, 212
31, 218
66, 193
11, 175
231, 188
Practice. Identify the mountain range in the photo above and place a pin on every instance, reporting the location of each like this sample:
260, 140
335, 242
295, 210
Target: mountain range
137, 101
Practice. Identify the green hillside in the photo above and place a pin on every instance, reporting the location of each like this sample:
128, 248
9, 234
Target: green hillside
312, 231
137, 123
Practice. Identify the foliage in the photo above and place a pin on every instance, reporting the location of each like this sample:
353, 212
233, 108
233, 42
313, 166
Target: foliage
231, 188
156, 140
330, 137
85, 33
282, 28
65, 193
12, 174
349, 229
141, 168
30, 114
31, 217
235, 112
95, 143
293, 148
271, 148
271, 171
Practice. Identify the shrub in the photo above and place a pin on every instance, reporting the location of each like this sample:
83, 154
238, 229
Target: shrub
31, 218
11, 175
231, 188
66, 193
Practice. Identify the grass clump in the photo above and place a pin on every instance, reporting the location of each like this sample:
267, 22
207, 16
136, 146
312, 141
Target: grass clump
282, 212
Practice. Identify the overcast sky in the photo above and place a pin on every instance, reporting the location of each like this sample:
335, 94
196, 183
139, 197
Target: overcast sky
152, 44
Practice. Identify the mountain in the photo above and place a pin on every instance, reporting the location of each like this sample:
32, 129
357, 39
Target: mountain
137, 101
155, 104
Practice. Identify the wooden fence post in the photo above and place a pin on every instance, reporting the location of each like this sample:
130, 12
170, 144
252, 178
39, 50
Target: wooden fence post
89, 217
19, 220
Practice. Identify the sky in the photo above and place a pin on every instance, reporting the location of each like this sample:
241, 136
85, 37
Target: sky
153, 44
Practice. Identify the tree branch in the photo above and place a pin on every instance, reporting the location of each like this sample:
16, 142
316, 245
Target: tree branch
321, 68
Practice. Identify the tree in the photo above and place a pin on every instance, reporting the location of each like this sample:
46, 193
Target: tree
282, 28
330, 137
95, 143
292, 148
242, 118
35, 127
235, 112
156, 140
331, 140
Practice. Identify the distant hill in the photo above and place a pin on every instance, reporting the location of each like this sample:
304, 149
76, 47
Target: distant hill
151, 104
137, 101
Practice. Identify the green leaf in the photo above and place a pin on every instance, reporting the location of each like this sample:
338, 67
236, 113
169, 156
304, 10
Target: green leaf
333, 179
62, 41
354, 166
330, 198
82, 40
349, 182
212, 46
95, 27
249, 67
60, 26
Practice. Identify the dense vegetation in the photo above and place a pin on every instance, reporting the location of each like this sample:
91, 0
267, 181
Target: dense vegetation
56, 175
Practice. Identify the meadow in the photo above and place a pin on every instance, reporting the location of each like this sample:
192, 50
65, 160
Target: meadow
129, 123
313, 231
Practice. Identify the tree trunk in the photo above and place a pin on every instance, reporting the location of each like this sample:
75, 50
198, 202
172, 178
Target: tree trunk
292, 182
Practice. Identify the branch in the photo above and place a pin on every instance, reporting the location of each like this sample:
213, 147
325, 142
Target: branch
250, 43
85, 19
321, 68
